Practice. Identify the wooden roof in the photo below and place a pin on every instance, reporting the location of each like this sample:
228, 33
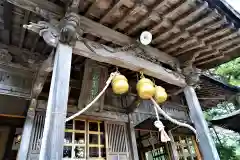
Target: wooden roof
211, 92
181, 28
229, 121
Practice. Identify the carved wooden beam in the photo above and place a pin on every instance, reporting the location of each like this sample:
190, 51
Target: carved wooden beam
128, 60
50, 10
22, 53
42, 75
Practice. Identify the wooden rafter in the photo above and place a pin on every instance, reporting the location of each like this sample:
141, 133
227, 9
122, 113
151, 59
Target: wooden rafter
185, 17
202, 40
111, 11
219, 48
136, 9
199, 35
50, 10
152, 15
210, 60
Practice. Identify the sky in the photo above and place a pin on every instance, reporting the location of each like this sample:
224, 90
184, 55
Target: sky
235, 4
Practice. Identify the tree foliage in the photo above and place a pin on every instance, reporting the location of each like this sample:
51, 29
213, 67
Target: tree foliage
230, 71
227, 143
227, 152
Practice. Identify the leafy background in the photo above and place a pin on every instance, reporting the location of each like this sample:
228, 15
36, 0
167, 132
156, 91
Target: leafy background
227, 142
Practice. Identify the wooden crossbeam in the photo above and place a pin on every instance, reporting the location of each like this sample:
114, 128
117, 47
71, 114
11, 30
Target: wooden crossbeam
50, 10
128, 60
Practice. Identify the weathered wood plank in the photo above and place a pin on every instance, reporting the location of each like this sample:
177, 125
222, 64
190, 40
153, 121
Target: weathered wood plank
7, 18
133, 140
128, 60
50, 10
25, 21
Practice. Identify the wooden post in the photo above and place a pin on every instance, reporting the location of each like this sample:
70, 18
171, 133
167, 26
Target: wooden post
8, 150
195, 145
174, 154
133, 141
53, 134
207, 146
27, 131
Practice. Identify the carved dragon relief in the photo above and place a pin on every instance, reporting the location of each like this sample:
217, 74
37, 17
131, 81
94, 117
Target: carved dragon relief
55, 31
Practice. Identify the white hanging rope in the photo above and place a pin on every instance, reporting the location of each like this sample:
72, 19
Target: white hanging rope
171, 119
112, 75
158, 124
155, 108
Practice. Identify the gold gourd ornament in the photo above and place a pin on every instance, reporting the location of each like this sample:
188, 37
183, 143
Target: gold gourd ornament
120, 84
145, 88
160, 94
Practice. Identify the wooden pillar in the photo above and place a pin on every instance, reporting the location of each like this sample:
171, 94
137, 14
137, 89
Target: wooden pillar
53, 134
8, 150
27, 131
133, 141
207, 146
174, 154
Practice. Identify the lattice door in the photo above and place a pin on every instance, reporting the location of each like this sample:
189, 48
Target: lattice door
116, 141
36, 136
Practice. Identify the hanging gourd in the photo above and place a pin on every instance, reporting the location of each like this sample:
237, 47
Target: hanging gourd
160, 94
145, 88
120, 84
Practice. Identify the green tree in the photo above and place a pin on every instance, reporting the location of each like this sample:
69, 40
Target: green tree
227, 152
227, 143
230, 71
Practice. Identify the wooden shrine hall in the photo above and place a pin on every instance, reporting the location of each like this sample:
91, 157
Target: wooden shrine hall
58, 55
